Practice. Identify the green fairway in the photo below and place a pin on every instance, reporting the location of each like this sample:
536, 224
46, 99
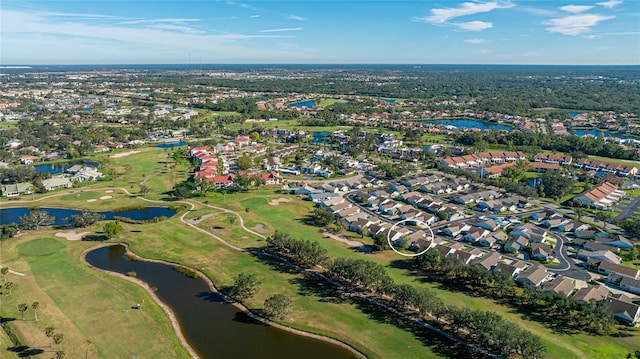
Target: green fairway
40, 247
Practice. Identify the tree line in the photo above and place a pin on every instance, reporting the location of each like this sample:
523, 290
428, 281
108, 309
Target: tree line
486, 329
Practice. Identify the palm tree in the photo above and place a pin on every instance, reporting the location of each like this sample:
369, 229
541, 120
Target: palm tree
22, 307
8, 286
35, 306
60, 354
4, 271
89, 344
48, 331
58, 339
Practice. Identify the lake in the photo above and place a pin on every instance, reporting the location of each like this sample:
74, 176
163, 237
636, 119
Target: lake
309, 103
466, 123
12, 215
213, 327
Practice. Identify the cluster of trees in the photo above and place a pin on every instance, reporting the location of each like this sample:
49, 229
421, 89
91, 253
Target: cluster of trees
246, 285
17, 174
592, 316
630, 225
561, 143
85, 218
299, 251
554, 185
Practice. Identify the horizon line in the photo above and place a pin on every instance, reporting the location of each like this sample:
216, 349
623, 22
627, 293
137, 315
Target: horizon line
17, 66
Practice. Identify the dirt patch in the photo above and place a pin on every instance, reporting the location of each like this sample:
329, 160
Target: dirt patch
260, 228
200, 219
72, 235
106, 197
277, 201
123, 154
355, 244
91, 200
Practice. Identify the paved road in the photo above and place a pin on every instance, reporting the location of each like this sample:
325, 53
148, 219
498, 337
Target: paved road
630, 209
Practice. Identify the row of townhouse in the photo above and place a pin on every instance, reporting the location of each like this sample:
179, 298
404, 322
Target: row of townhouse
621, 306
618, 169
476, 197
482, 158
422, 180
601, 196
552, 158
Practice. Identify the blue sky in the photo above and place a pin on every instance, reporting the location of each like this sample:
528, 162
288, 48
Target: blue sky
412, 32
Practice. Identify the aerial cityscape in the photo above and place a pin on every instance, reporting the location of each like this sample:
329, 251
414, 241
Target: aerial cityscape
322, 179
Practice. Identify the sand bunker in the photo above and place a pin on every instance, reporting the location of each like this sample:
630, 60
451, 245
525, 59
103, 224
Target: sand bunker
123, 154
275, 202
108, 191
91, 200
72, 235
106, 197
260, 228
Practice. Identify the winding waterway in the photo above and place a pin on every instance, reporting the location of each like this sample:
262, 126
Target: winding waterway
213, 327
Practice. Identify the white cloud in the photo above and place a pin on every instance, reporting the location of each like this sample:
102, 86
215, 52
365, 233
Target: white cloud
161, 20
610, 4
473, 25
295, 17
443, 15
254, 16
574, 9
170, 27
475, 41
281, 30
77, 15
538, 11
592, 37
484, 51
575, 24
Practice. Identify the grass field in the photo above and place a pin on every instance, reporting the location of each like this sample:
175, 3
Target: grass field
69, 292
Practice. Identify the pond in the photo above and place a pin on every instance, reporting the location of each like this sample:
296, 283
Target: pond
213, 327
171, 144
600, 133
466, 123
60, 167
309, 103
12, 215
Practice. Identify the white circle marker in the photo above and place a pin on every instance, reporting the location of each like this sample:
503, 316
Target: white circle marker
418, 222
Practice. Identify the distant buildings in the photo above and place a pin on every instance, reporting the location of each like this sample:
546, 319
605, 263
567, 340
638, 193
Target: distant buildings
601, 196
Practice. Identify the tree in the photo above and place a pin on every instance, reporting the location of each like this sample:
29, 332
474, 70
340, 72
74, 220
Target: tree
58, 339
35, 306
255, 136
244, 162
278, 306
604, 217
48, 331
112, 229
8, 286
36, 218
245, 286
322, 216
4, 271
22, 307
86, 218
242, 181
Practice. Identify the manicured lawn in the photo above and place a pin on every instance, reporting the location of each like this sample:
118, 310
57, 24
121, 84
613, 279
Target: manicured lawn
40, 247
325, 102
81, 303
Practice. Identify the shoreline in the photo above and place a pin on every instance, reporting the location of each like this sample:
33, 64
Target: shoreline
176, 323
